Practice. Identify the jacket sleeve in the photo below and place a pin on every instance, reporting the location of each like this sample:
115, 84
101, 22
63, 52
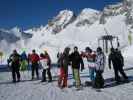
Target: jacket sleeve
10, 57
38, 58
82, 63
20, 58
49, 63
122, 60
70, 57
109, 60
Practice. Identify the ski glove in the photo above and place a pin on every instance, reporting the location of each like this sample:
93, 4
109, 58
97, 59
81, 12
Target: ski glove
82, 69
109, 67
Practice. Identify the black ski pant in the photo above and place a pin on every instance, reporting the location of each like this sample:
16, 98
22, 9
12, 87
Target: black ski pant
15, 72
99, 80
48, 74
118, 69
35, 67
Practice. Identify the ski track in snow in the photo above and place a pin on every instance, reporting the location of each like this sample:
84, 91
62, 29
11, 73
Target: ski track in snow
35, 90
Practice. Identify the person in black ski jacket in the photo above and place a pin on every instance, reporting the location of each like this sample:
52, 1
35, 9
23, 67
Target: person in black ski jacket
118, 62
14, 60
77, 62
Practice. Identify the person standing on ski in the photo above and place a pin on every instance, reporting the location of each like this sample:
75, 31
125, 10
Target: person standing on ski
118, 62
91, 57
100, 65
46, 64
34, 58
63, 62
77, 62
14, 60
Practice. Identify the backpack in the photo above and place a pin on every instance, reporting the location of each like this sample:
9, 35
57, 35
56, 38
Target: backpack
15, 58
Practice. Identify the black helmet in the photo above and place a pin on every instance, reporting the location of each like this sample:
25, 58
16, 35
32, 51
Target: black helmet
75, 47
66, 50
41, 55
99, 49
88, 49
33, 50
14, 51
112, 50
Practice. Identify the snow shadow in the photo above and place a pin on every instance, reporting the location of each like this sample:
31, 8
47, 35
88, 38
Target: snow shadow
110, 82
127, 69
10, 82
5, 68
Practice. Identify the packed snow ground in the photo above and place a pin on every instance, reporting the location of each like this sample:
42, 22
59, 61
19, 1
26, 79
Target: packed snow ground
35, 90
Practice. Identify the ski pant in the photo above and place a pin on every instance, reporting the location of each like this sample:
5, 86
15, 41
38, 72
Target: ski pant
116, 72
62, 82
15, 72
99, 80
48, 73
34, 68
92, 74
76, 76
24, 65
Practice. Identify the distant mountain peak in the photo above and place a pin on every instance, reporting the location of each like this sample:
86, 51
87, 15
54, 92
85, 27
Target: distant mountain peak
16, 29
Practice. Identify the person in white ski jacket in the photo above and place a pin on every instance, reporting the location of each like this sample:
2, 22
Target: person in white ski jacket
100, 60
46, 65
100, 65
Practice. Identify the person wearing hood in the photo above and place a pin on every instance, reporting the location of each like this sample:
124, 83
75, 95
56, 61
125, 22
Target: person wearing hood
24, 61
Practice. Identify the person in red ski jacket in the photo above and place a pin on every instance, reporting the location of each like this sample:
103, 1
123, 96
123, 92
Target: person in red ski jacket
34, 58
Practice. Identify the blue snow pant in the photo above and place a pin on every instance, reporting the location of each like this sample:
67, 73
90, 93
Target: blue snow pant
92, 74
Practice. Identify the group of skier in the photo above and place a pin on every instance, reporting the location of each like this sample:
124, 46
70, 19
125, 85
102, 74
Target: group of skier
32, 62
96, 61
